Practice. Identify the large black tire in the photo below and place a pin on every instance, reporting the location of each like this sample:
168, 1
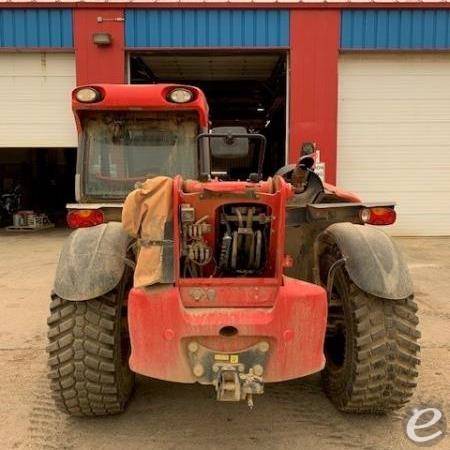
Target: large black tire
371, 348
88, 354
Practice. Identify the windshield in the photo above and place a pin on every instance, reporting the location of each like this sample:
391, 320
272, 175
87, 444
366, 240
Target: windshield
122, 148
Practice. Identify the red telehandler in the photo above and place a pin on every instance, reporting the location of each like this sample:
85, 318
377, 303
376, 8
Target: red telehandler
236, 283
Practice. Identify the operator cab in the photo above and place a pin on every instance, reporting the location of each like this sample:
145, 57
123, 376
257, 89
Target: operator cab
129, 133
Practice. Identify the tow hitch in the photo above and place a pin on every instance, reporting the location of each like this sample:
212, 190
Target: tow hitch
235, 376
234, 386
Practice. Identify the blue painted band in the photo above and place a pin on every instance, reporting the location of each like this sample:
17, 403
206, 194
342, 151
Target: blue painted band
395, 29
206, 28
35, 27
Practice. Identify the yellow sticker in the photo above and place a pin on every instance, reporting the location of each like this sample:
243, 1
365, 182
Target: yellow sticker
219, 357
234, 359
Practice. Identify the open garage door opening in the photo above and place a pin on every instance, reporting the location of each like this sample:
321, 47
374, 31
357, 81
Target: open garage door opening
243, 89
41, 178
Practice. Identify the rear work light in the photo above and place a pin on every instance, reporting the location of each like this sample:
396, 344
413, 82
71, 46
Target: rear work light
378, 216
88, 95
180, 95
82, 218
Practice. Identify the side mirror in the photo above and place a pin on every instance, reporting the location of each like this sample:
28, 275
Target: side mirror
229, 145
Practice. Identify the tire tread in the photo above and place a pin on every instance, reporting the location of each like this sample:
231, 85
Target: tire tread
384, 365
82, 357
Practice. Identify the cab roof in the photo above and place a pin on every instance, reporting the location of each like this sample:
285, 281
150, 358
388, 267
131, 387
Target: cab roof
145, 97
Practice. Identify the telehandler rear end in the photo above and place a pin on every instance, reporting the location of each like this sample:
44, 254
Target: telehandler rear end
195, 278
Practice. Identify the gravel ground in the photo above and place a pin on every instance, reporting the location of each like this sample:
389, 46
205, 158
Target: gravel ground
161, 415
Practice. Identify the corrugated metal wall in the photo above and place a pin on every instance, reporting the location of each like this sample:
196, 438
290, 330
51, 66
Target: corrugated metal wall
402, 29
26, 28
206, 28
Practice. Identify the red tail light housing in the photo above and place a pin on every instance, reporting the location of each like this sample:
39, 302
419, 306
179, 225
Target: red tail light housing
82, 218
378, 216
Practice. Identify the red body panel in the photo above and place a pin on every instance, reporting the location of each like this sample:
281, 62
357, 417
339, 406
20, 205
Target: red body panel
230, 293
161, 328
289, 314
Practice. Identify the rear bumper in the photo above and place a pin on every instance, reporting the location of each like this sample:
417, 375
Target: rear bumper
161, 328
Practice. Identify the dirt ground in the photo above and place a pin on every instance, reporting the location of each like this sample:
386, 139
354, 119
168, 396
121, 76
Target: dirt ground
161, 415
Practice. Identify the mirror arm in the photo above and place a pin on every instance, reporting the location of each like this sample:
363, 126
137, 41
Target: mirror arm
262, 154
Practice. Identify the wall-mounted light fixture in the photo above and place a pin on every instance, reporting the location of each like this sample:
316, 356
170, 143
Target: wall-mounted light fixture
101, 19
102, 39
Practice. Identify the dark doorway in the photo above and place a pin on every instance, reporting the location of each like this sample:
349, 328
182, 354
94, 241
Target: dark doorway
246, 89
45, 176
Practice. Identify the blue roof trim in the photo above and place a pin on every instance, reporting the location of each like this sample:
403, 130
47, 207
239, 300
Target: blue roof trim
206, 28
35, 27
395, 29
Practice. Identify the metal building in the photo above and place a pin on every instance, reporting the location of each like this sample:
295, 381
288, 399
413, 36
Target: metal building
367, 81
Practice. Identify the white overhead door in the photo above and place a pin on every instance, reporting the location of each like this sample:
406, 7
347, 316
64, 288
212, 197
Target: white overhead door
394, 136
35, 100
